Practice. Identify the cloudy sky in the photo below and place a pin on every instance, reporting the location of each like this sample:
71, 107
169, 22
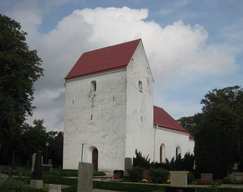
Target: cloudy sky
193, 46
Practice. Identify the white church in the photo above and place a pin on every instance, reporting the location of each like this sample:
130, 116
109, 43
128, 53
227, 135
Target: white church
109, 111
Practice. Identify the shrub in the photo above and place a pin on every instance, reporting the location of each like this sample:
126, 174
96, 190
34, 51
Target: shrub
135, 173
226, 180
190, 177
159, 175
11, 184
140, 161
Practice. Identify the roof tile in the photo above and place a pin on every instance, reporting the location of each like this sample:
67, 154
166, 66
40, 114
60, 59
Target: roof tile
104, 59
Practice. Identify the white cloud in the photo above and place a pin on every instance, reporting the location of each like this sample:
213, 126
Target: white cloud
174, 51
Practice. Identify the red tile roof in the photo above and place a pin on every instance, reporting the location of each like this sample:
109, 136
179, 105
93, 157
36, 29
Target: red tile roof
163, 119
104, 59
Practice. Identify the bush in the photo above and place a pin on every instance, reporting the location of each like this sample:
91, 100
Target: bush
226, 180
190, 177
159, 175
135, 173
11, 184
140, 161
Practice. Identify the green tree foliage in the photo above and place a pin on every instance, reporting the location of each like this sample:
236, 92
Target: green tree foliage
219, 131
19, 69
190, 123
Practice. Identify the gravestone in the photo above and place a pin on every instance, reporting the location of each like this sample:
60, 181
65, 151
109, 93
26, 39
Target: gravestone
120, 173
20, 172
146, 175
33, 162
36, 181
54, 188
237, 176
10, 171
49, 161
3, 177
46, 167
85, 177
178, 178
180, 189
207, 177
128, 165
1, 170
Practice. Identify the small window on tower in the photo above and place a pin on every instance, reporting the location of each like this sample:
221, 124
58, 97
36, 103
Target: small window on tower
93, 86
140, 86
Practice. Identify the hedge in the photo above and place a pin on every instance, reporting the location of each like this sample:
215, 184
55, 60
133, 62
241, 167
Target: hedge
131, 187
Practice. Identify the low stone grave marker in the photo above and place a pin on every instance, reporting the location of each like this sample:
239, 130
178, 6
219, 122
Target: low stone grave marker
207, 177
178, 178
3, 177
237, 176
180, 189
120, 173
146, 175
54, 188
46, 167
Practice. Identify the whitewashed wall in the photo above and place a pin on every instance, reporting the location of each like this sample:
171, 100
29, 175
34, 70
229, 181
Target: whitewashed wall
172, 139
139, 129
106, 131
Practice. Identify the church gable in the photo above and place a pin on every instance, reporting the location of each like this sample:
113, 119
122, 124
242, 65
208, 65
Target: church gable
103, 60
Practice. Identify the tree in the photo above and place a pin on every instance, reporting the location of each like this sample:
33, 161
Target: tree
219, 132
216, 148
19, 69
190, 123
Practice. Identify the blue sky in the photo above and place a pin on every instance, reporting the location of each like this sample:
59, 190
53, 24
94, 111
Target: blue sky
193, 46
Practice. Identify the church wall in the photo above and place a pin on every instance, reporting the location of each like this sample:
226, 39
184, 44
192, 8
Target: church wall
172, 139
96, 119
139, 129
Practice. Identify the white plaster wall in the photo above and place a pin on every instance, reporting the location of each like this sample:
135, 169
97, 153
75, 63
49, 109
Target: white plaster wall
106, 131
171, 139
139, 127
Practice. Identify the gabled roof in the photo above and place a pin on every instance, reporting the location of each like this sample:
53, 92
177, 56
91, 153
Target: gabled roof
104, 59
163, 119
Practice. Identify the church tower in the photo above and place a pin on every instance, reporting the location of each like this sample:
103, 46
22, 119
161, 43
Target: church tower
108, 107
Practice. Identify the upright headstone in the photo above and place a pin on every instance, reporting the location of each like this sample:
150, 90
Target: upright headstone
54, 188
10, 171
33, 162
178, 178
128, 165
20, 172
49, 161
1, 170
36, 181
13, 160
85, 177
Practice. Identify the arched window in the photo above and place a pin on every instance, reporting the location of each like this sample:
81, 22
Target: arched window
93, 86
140, 86
162, 153
178, 151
